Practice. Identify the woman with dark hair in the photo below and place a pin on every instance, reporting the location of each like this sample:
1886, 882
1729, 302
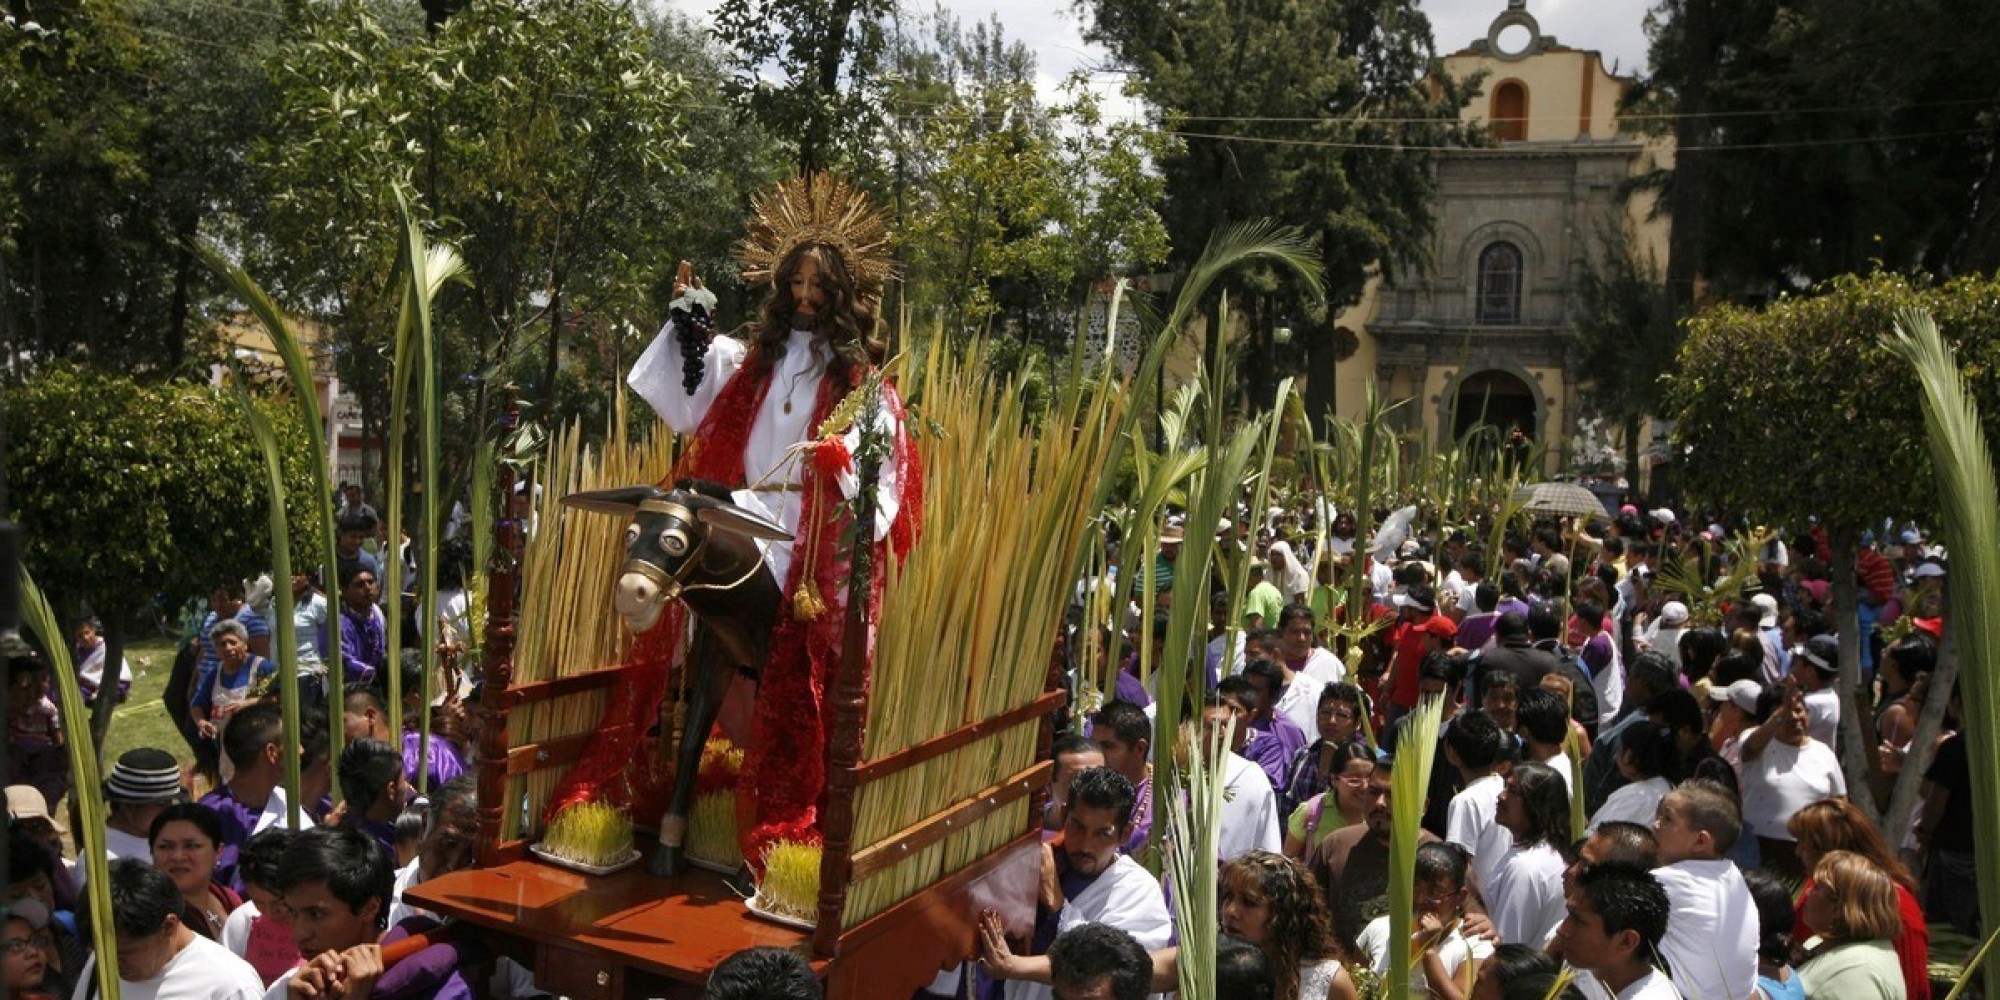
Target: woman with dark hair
1524, 898
187, 841
1272, 902
1852, 907
1830, 825
1318, 815
1776, 979
1700, 649
1650, 760
1906, 679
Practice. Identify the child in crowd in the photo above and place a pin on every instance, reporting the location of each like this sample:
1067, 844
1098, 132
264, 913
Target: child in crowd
373, 790
409, 833
1438, 909
1711, 941
24, 951
260, 931
34, 730
1776, 980
1616, 915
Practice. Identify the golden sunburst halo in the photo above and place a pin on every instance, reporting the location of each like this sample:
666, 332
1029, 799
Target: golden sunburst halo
818, 208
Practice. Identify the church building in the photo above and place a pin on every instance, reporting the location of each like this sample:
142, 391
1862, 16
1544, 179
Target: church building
1486, 334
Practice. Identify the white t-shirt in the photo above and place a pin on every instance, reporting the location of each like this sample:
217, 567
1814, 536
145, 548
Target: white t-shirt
1471, 822
1633, 803
203, 970
1524, 898
1654, 985
1712, 929
1823, 714
1249, 811
1324, 667
118, 844
1560, 762
399, 911
1452, 951
1300, 701
1784, 779
236, 929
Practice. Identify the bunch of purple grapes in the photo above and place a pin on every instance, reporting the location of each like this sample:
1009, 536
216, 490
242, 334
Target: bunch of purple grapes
697, 328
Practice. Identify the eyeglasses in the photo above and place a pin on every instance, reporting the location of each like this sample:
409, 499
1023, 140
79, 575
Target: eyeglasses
16, 945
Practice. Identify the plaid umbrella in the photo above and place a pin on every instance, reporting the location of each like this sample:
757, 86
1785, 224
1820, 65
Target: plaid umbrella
1559, 499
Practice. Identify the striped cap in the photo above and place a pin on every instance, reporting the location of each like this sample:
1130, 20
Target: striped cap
144, 776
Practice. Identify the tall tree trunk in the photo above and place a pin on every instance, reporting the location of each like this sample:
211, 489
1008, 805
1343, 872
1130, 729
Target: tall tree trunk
107, 683
1854, 752
833, 47
1907, 793
1688, 197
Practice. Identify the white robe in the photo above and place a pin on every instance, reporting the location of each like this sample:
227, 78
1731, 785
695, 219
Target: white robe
1249, 811
768, 459
1127, 897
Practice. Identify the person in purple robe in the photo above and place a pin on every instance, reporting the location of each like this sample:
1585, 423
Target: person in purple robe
1274, 738
364, 643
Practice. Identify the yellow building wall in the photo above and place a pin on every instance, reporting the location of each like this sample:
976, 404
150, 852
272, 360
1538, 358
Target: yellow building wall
1570, 93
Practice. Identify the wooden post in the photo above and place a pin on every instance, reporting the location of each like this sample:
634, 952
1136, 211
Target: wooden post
496, 671
1045, 737
850, 711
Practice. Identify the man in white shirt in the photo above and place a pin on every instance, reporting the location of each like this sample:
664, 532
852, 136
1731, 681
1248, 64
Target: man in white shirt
1712, 933
159, 958
1615, 916
142, 782
1086, 881
1249, 805
1472, 745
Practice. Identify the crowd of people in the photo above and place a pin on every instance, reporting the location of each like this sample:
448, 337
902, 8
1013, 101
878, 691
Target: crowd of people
1718, 854
1653, 800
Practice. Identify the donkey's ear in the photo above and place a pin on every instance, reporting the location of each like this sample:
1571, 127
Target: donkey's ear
621, 502
735, 519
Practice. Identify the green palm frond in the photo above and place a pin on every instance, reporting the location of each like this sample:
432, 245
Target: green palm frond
1963, 464
284, 642
87, 789
1409, 781
1193, 823
305, 394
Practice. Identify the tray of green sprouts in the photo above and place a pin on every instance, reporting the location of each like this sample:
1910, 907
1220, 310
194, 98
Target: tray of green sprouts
589, 837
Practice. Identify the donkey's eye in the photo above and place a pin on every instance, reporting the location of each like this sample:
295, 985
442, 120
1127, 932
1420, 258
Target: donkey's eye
674, 541
631, 535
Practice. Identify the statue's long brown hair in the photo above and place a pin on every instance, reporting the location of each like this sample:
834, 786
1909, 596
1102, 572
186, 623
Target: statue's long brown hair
847, 324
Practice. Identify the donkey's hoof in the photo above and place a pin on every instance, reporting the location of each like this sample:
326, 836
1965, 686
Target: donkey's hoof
668, 862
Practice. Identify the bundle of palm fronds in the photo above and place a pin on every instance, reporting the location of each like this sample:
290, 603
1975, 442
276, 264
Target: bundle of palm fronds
567, 627
969, 617
1684, 575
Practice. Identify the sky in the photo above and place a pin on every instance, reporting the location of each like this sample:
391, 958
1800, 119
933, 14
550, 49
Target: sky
1612, 27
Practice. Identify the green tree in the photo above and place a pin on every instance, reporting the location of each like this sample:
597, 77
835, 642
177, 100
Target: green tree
1799, 411
809, 72
1626, 334
1319, 114
1816, 139
122, 132
541, 137
145, 496
1008, 209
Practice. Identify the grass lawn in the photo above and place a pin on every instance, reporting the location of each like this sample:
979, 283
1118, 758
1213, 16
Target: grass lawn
142, 721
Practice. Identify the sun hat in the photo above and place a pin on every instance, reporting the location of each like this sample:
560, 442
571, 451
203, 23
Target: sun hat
1743, 694
144, 776
1767, 610
26, 908
27, 802
1673, 614
1927, 569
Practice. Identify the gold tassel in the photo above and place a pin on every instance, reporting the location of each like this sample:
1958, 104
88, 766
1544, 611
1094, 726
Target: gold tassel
807, 605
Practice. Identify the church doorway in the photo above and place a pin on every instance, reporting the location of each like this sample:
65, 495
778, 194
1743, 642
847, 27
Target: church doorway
1498, 399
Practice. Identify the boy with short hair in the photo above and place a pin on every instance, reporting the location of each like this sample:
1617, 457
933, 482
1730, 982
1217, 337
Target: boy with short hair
1711, 940
1472, 745
1615, 916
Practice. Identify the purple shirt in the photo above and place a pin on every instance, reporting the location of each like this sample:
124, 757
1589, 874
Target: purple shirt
1272, 744
239, 821
1129, 689
444, 762
1475, 630
364, 644
432, 972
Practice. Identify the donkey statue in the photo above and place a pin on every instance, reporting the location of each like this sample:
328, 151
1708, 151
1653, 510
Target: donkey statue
693, 544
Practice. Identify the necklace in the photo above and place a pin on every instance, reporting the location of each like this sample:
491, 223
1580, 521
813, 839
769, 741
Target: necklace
794, 388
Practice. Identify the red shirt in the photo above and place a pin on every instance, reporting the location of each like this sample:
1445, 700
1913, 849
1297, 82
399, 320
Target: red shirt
1413, 640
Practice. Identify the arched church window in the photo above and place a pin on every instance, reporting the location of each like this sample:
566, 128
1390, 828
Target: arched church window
1510, 112
1500, 284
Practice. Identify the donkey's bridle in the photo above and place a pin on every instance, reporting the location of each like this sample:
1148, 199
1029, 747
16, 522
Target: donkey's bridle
675, 584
